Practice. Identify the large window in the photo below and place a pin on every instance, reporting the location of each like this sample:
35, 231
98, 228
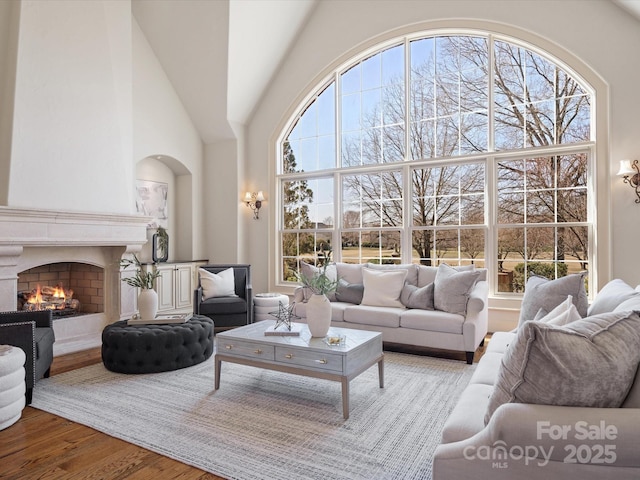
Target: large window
442, 148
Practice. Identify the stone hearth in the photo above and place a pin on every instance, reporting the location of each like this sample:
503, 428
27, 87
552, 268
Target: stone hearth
31, 238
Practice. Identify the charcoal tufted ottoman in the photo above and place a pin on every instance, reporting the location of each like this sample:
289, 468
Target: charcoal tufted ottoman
156, 348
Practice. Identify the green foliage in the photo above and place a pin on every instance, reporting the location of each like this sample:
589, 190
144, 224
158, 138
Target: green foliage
547, 270
163, 240
320, 283
142, 279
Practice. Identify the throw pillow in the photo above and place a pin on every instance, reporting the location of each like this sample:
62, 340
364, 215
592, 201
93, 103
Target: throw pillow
349, 292
382, 288
411, 268
221, 284
417, 297
540, 292
612, 294
452, 288
588, 363
307, 270
564, 313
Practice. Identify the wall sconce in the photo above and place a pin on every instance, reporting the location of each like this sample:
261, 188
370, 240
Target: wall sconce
630, 173
254, 202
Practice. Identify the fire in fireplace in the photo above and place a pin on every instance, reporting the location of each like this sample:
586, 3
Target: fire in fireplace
58, 299
67, 288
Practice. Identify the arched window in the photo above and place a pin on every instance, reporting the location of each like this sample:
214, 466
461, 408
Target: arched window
456, 148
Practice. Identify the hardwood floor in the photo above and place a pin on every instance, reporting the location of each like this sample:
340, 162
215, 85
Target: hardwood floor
44, 446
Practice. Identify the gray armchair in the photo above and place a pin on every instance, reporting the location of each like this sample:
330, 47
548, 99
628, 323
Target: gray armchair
229, 311
33, 333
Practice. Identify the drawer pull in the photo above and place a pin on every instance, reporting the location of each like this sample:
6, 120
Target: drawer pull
228, 347
322, 361
289, 356
258, 352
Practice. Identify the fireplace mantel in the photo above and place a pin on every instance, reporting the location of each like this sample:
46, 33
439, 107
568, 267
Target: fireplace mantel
30, 238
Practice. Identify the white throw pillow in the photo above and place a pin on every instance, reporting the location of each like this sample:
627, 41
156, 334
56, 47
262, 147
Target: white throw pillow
564, 313
382, 288
222, 284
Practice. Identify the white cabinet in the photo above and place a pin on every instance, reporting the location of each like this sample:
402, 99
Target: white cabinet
175, 286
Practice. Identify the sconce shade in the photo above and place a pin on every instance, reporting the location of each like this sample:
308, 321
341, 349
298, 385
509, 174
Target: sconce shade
247, 197
260, 196
625, 168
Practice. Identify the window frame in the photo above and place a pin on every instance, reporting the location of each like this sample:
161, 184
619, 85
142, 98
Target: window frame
491, 156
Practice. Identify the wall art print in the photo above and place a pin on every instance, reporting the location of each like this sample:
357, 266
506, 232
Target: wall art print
151, 200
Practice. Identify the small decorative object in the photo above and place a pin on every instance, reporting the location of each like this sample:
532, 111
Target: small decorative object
319, 306
162, 319
284, 315
147, 298
335, 340
160, 245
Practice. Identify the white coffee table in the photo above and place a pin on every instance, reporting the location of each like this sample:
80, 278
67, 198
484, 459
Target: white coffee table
302, 355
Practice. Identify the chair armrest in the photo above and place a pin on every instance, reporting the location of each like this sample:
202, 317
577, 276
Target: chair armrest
197, 300
22, 334
42, 318
249, 297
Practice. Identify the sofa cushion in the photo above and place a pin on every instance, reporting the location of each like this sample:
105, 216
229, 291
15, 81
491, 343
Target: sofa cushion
500, 341
417, 297
223, 306
612, 294
452, 289
350, 272
382, 288
426, 275
410, 268
487, 369
466, 418
432, 321
588, 363
221, 284
632, 303
540, 292
564, 313
308, 271
374, 316
349, 292
633, 398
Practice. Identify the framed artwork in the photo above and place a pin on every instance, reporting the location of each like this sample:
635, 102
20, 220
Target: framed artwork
151, 200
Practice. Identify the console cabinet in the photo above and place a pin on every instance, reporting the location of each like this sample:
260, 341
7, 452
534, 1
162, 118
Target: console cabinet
175, 285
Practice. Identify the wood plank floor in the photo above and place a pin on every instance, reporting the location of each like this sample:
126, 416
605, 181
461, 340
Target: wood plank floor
44, 446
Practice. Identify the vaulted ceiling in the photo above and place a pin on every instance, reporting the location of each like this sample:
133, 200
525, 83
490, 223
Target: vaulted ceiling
220, 55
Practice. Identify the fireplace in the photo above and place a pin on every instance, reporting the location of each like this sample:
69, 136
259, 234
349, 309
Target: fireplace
66, 288
78, 251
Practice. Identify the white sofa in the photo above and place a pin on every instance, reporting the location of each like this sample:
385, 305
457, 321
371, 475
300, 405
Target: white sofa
439, 329
523, 439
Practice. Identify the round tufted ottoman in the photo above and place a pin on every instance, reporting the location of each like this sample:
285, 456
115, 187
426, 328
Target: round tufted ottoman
12, 385
156, 348
265, 303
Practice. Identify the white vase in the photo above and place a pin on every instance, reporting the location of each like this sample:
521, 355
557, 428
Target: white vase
318, 315
148, 304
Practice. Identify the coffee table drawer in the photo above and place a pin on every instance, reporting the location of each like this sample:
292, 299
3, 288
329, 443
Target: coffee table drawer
303, 358
246, 349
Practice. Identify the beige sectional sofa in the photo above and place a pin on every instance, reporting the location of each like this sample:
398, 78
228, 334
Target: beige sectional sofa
553, 400
360, 304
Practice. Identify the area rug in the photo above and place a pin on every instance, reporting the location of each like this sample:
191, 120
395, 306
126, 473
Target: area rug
271, 425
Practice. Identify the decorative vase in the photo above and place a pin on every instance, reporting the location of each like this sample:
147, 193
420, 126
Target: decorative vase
318, 315
148, 304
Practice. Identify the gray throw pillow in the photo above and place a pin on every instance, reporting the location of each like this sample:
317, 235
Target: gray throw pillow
540, 292
417, 297
591, 362
452, 288
612, 295
349, 292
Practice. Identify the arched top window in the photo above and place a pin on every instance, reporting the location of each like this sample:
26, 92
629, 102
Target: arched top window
464, 148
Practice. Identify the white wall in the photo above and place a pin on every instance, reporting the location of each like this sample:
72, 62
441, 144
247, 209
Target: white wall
72, 141
598, 33
161, 126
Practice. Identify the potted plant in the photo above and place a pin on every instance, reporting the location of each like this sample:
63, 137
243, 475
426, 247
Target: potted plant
143, 279
318, 306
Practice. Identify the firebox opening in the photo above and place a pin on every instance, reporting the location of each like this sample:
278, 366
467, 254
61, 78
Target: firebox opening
68, 288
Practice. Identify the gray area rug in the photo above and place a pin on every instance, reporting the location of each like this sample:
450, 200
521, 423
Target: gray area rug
271, 425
